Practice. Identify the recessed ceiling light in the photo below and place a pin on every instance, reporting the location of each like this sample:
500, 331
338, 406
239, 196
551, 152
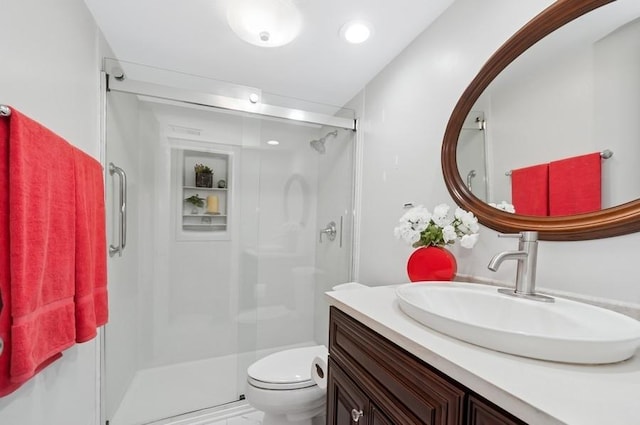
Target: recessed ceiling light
356, 32
273, 142
265, 23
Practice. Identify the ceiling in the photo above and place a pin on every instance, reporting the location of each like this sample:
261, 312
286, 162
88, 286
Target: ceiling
193, 37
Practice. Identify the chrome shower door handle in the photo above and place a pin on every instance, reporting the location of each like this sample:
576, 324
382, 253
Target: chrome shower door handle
122, 221
330, 231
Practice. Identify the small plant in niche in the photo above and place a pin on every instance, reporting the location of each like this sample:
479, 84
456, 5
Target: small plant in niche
195, 200
204, 175
201, 168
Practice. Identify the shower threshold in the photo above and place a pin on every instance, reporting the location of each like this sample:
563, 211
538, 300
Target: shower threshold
234, 413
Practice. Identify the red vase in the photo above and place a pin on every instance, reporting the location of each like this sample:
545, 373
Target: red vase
431, 263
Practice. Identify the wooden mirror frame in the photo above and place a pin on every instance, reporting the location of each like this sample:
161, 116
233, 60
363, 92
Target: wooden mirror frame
616, 221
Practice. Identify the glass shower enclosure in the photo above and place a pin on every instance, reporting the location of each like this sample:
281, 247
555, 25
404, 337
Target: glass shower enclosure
218, 270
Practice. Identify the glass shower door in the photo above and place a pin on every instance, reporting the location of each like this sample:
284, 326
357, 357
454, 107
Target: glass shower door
205, 288
172, 345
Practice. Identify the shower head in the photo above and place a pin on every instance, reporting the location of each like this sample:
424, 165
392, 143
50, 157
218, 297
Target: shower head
318, 144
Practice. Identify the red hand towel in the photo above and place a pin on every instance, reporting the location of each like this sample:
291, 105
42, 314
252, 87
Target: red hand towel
575, 185
529, 190
91, 255
38, 214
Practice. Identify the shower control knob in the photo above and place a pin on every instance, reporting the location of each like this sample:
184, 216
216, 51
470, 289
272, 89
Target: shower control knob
356, 415
330, 231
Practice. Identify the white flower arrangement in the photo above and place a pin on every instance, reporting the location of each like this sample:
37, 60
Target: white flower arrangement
419, 227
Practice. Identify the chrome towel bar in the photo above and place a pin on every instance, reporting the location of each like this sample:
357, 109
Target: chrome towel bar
605, 154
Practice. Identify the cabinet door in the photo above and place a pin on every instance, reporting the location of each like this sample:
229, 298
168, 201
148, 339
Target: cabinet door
483, 413
378, 418
346, 403
409, 391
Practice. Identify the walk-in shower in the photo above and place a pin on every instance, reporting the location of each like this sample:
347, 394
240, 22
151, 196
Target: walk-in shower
217, 271
319, 144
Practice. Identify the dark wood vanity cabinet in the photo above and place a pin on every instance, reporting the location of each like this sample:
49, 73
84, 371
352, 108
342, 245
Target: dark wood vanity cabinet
481, 412
372, 381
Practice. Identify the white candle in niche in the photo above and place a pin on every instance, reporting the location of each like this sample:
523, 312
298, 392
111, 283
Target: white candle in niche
212, 204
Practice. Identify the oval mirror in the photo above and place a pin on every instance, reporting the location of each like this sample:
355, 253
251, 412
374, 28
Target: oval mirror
548, 84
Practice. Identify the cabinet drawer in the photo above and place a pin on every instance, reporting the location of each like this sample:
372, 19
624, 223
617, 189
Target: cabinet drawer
408, 390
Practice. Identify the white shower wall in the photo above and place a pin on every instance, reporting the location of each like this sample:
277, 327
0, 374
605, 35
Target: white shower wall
335, 203
260, 279
285, 253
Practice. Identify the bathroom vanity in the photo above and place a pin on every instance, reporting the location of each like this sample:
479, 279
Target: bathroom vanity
373, 381
385, 368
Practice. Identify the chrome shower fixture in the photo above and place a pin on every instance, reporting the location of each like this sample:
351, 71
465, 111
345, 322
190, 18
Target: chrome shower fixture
318, 144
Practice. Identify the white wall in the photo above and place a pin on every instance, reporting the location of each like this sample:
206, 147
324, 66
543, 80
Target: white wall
406, 110
50, 71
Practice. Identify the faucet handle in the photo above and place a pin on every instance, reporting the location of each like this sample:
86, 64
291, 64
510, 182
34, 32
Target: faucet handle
525, 236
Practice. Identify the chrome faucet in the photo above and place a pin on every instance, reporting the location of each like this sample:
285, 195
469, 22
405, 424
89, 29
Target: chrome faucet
527, 256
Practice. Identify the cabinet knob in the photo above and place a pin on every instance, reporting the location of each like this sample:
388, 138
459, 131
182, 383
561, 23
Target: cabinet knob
356, 415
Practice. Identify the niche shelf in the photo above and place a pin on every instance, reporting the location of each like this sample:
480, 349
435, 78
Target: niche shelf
211, 220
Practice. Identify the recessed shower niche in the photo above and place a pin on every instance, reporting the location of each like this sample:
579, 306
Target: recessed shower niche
203, 203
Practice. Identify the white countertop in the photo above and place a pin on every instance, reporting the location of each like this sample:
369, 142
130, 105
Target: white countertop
538, 392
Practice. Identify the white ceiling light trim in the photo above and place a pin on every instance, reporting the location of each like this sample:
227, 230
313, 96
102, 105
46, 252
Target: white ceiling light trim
356, 32
265, 23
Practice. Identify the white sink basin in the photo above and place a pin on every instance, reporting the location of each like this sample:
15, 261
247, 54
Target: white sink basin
563, 331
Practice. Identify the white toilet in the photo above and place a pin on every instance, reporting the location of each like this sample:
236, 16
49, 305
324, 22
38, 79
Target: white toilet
282, 387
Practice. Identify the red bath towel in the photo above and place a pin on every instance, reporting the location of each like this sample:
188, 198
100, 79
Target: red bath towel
37, 270
530, 190
575, 185
91, 256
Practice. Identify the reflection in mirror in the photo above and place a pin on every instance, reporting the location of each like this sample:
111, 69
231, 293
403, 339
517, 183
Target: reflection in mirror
575, 92
471, 154
621, 219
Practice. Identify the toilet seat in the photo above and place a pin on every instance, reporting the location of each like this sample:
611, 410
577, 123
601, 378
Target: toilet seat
285, 370
280, 386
